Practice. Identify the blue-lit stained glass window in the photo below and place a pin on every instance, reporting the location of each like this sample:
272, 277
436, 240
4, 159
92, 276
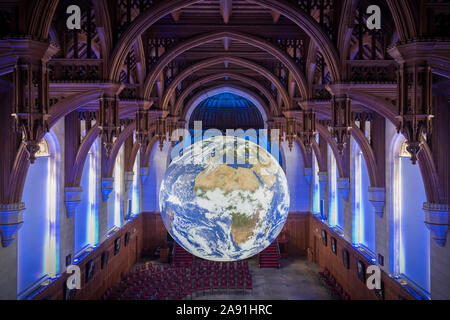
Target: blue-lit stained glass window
414, 255
32, 235
316, 186
336, 216
86, 217
37, 238
135, 187
363, 210
82, 214
115, 198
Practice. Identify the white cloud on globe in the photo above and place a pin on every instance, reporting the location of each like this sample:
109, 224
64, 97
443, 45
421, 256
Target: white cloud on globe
224, 211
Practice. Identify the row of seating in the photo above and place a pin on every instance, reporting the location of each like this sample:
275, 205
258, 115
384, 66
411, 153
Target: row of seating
156, 282
335, 287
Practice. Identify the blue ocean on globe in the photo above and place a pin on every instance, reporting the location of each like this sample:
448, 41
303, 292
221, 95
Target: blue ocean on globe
224, 210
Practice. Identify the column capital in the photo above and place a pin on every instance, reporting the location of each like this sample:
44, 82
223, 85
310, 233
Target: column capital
308, 172
293, 114
10, 221
72, 199
26, 49
144, 171
420, 50
437, 221
323, 177
307, 104
338, 90
107, 187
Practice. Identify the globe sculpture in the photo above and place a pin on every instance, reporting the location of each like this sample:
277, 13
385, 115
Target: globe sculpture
224, 210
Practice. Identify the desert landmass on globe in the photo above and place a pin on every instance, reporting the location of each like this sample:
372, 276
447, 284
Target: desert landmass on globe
230, 179
227, 179
242, 227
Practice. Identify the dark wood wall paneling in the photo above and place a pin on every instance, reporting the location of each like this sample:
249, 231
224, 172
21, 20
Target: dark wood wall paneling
155, 233
348, 278
296, 231
111, 274
302, 231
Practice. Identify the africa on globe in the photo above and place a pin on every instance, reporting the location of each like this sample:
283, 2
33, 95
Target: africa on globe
224, 199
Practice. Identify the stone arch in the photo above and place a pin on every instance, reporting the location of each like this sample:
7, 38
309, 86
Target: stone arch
239, 61
307, 157
71, 103
324, 133
241, 37
369, 157
430, 176
383, 107
304, 21
131, 158
41, 18
345, 32
200, 82
190, 106
404, 19
320, 159
108, 165
76, 171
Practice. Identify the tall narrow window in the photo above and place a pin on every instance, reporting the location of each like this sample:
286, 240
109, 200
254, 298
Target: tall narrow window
118, 188
135, 187
363, 210
37, 239
115, 199
86, 224
316, 186
82, 213
411, 238
334, 219
93, 196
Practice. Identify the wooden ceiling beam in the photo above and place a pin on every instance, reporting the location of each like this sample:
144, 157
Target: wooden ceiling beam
176, 15
225, 10
226, 43
275, 15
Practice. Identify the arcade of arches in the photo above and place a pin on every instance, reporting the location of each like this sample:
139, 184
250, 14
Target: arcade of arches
86, 117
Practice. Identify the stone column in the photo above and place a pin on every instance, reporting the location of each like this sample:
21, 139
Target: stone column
308, 172
8, 272
128, 181
323, 182
346, 207
437, 220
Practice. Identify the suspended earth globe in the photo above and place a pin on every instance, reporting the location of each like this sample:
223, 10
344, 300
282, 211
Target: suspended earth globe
220, 209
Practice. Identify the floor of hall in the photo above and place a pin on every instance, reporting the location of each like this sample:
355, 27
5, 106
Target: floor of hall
296, 279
